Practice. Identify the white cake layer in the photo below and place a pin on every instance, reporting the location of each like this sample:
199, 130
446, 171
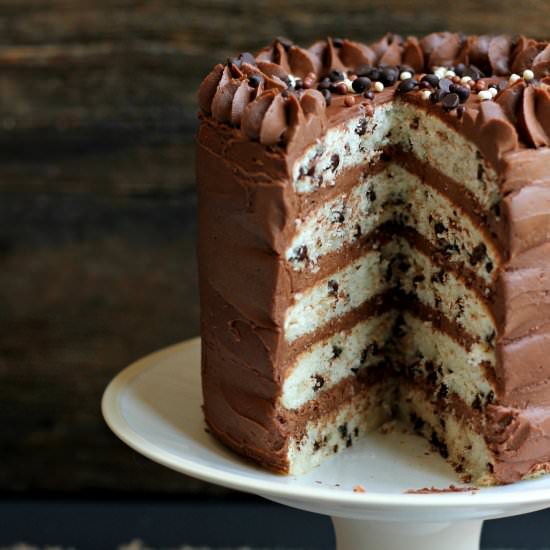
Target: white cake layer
458, 369
356, 283
465, 446
329, 361
444, 292
429, 138
393, 194
338, 430
316, 168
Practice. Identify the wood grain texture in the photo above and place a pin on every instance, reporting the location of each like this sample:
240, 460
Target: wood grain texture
97, 204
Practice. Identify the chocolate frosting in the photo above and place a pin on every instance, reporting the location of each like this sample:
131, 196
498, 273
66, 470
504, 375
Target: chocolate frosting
253, 129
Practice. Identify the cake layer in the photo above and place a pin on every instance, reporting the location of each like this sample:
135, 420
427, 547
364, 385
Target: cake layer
431, 356
338, 429
393, 194
336, 295
328, 361
428, 137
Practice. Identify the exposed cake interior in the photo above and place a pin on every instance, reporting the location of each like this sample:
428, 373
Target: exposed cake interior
392, 274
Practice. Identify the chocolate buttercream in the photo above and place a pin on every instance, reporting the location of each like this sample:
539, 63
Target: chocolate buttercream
255, 123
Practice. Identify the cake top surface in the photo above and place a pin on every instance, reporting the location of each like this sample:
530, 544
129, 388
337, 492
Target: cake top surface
495, 88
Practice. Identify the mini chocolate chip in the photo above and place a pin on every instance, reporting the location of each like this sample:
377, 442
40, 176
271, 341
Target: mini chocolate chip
478, 253
363, 70
334, 162
450, 101
388, 76
371, 195
254, 80
335, 448
460, 69
361, 128
431, 79
476, 404
407, 85
349, 441
443, 391
445, 84
437, 95
463, 92
361, 84
319, 382
339, 217
336, 76
374, 74
336, 351
333, 287
324, 84
316, 446
327, 95
343, 430
356, 432
439, 228
300, 254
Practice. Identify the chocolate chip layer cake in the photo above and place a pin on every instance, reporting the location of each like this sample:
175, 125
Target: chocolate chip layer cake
374, 242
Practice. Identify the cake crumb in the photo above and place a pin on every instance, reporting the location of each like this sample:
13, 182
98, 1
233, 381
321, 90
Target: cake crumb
359, 489
431, 490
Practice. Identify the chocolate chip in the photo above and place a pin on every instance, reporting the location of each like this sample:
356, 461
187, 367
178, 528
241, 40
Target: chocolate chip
255, 80
431, 79
355, 432
389, 76
334, 162
333, 287
349, 441
300, 254
371, 195
316, 446
478, 253
363, 70
417, 279
319, 382
439, 228
443, 392
450, 102
462, 92
445, 84
339, 217
361, 84
358, 232
476, 404
336, 351
489, 267
343, 430
480, 171
407, 85
361, 128
417, 422
460, 69
324, 84
437, 95
336, 76
374, 74
328, 96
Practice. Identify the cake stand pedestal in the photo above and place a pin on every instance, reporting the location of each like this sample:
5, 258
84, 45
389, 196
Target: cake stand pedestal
154, 406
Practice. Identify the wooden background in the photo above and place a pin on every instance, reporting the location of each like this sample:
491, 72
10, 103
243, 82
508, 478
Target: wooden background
97, 201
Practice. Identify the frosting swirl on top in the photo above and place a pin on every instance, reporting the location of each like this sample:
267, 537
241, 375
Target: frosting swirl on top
271, 96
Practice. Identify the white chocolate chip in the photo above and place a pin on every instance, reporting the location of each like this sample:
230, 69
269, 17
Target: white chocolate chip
465, 79
528, 74
404, 75
484, 95
425, 94
349, 83
378, 87
493, 91
440, 72
450, 73
514, 78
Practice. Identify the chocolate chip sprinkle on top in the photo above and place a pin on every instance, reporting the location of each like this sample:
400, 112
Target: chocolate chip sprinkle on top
407, 85
361, 84
431, 79
450, 102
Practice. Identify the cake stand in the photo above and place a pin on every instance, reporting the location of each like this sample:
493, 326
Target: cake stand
154, 406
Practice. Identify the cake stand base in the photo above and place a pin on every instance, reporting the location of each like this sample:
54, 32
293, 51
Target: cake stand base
352, 534
155, 407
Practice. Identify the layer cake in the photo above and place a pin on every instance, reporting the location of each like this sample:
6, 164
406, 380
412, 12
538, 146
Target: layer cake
374, 243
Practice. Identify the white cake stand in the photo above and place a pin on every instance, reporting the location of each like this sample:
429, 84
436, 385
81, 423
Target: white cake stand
155, 407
